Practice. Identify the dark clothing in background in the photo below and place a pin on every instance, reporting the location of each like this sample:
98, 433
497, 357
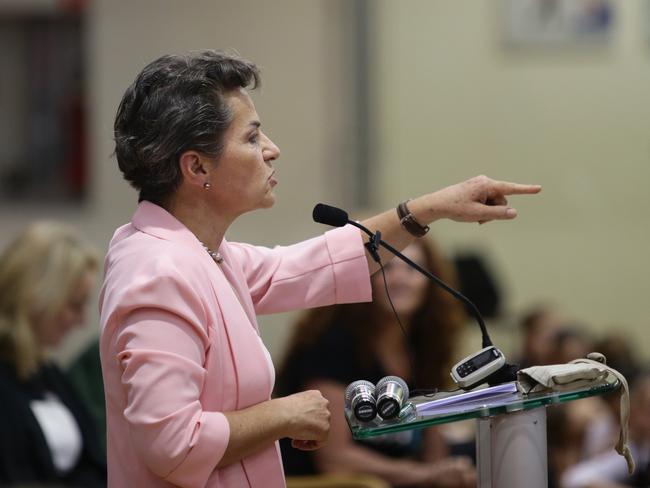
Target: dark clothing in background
85, 373
335, 357
641, 477
25, 457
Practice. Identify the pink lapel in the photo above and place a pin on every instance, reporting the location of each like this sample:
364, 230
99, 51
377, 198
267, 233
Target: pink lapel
236, 278
156, 221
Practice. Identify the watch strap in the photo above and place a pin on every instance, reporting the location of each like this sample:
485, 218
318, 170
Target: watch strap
409, 222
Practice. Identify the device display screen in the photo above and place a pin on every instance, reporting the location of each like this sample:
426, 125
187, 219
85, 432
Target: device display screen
484, 358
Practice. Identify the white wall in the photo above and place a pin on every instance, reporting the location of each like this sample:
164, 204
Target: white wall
452, 102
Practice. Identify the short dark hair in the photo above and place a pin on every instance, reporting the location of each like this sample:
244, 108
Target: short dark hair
176, 104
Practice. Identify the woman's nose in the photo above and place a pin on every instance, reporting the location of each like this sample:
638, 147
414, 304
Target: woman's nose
271, 151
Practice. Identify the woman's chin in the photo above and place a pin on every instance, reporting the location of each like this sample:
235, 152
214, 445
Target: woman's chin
269, 201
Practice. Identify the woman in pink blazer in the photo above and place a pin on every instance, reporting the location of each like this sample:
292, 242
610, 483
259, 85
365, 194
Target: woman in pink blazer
187, 378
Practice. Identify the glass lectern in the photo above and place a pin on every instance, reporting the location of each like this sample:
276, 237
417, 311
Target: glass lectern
511, 429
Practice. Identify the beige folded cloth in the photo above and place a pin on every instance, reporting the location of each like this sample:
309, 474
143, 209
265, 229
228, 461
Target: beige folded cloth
583, 372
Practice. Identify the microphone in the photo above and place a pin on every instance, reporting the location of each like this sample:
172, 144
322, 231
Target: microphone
360, 398
391, 393
328, 215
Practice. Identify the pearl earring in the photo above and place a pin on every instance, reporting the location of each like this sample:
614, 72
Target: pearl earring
207, 185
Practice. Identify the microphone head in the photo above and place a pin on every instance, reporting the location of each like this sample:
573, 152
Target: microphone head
360, 398
326, 214
356, 386
392, 394
394, 380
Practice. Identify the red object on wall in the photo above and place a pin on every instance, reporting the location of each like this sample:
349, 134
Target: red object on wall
77, 6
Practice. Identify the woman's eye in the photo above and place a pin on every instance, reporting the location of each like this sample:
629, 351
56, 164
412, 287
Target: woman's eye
253, 138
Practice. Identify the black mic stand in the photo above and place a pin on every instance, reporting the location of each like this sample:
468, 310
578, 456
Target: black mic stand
508, 372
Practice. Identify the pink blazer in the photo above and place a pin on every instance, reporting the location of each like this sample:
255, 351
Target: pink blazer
180, 344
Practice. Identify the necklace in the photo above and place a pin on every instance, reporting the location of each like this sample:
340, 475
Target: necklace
215, 255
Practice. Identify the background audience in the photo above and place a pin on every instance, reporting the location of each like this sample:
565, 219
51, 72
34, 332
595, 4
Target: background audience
47, 435
54, 432
607, 469
333, 346
52, 427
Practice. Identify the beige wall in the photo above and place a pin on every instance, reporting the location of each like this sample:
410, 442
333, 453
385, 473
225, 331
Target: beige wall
452, 101
299, 46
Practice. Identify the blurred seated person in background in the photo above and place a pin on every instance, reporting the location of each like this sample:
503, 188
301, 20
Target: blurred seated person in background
609, 470
620, 353
478, 282
333, 346
85, 372
584, 430
570, 341
538, 328
46, 435
569, 424
601, 435
569, 428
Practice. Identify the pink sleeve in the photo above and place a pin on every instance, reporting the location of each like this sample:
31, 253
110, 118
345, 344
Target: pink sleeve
322, 271
161, 348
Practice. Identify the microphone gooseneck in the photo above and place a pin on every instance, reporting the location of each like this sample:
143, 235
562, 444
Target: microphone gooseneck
326, 214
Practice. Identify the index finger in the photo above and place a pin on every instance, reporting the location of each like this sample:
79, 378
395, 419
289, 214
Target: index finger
507, 188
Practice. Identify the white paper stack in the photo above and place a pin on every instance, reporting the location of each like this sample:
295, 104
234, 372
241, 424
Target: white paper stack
483, 397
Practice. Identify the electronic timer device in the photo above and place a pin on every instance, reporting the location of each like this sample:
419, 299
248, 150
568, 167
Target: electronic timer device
478, 367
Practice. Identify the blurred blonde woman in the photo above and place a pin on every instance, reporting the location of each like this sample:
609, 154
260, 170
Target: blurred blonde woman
46, 434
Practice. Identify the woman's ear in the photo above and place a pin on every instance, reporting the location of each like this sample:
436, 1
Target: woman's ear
194, 168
